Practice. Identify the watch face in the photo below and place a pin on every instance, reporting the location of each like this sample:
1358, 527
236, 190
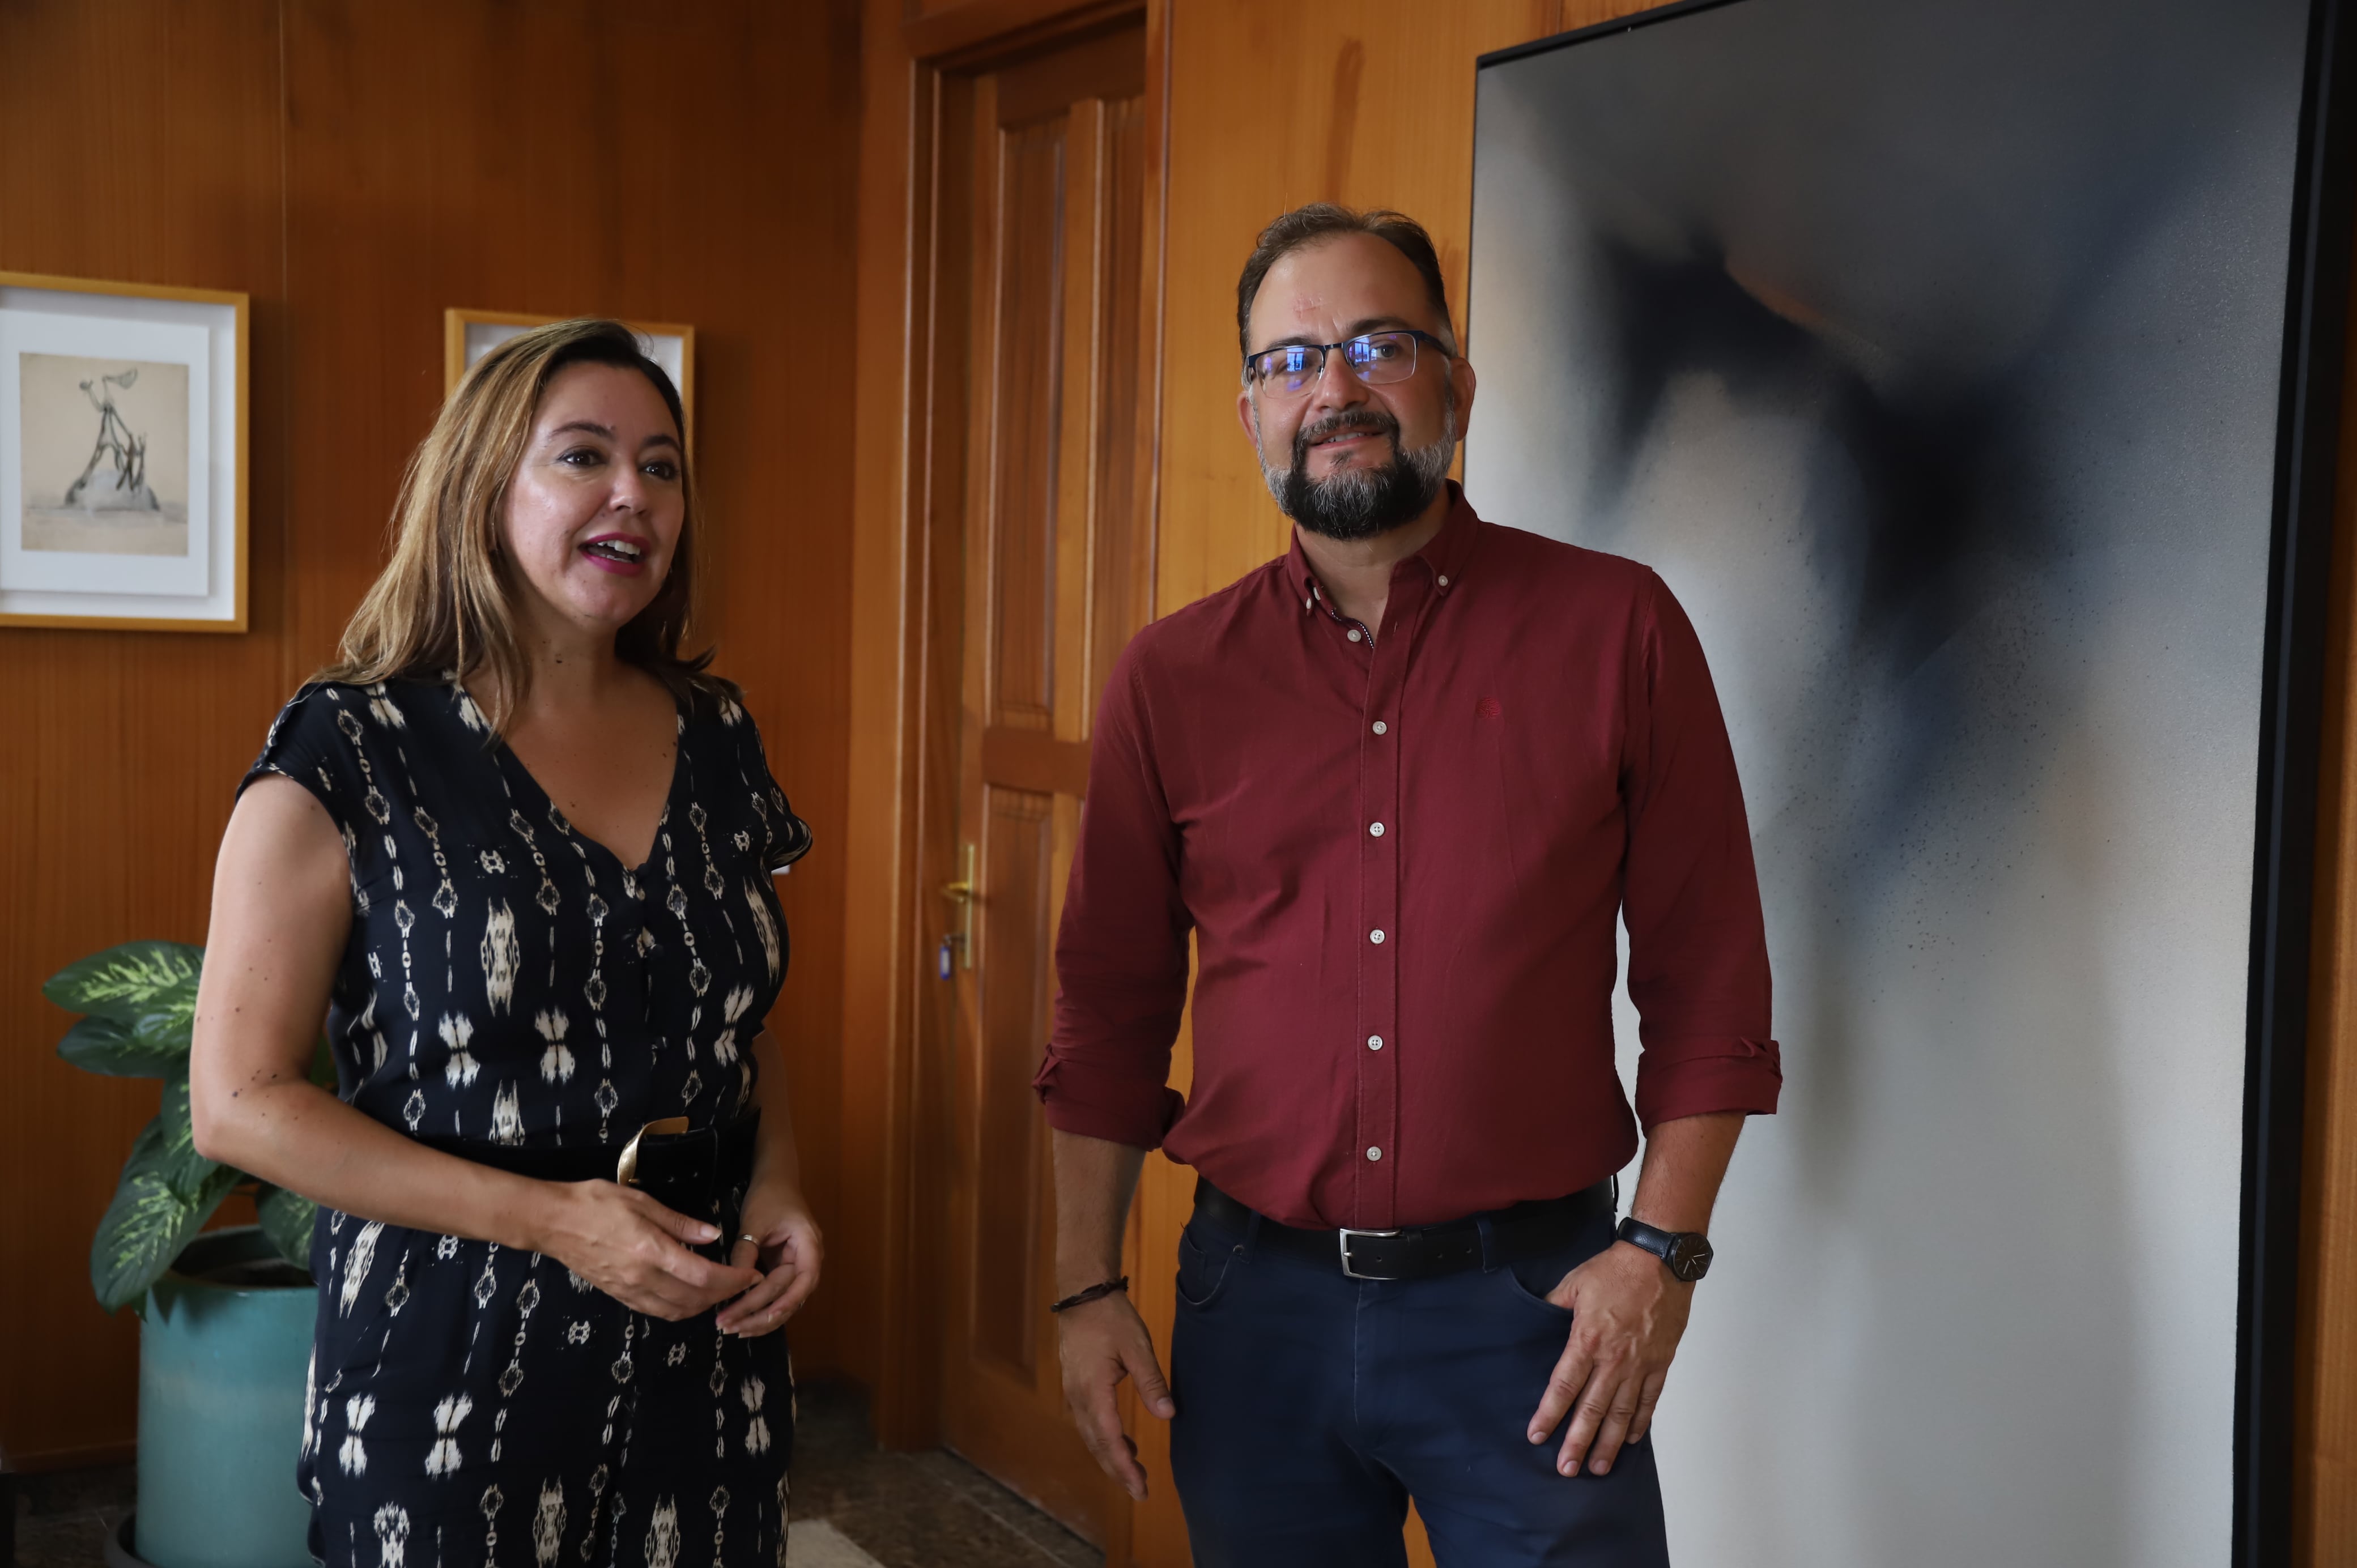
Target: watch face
1689, 1257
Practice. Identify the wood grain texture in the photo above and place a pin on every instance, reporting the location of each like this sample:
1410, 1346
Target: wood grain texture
357, 170
1018, 444
1048, 285
964, 33
2324, 1484
915, 328
1011, 1002
123, 747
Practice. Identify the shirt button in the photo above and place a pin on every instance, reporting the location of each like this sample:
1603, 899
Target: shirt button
1352, 634
1374, 1153
1376, 829
1375, 936
1375, 1042
1444, 582
1381, 727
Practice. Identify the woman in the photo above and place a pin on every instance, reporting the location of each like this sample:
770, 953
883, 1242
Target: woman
516, 848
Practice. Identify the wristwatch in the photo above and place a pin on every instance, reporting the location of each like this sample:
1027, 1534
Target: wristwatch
1686, 1253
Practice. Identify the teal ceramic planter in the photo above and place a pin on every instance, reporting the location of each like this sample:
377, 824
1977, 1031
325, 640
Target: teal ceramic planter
221, 1360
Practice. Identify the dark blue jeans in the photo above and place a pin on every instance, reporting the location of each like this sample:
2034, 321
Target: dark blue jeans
1312, 1407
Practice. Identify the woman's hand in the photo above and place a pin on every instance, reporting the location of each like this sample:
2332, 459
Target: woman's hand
636, 1250
788, 1257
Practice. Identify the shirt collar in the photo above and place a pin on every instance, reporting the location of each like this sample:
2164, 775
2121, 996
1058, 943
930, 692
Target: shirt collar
1445, 559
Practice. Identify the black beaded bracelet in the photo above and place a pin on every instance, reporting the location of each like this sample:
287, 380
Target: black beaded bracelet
1095, 1292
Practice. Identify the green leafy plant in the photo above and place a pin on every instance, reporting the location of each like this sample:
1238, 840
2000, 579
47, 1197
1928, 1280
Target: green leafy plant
139, 1008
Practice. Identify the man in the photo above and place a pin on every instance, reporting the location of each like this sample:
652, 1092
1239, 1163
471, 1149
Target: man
1398, 784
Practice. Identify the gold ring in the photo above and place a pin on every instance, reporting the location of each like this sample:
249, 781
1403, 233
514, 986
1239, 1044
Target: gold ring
747, 1236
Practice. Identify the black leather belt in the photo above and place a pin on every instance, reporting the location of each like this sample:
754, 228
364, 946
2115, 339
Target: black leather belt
1424, 1251
700, 1172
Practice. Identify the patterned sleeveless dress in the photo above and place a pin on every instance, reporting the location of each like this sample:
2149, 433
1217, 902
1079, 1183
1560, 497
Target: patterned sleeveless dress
508, 981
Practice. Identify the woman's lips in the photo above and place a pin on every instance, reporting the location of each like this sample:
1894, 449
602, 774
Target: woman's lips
624, 557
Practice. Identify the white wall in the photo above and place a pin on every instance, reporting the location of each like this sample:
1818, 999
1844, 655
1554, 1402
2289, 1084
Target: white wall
1974, 1302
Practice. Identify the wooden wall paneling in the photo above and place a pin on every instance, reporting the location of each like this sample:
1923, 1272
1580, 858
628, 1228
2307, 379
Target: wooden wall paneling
562, 163
2324, 1482
908, 633
1368, 102
953, 34
139, 142
355, 170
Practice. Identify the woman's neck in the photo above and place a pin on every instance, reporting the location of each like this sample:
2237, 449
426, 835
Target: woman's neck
567, 673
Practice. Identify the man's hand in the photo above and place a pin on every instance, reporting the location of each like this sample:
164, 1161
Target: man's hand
1099, 1343
1630, 1316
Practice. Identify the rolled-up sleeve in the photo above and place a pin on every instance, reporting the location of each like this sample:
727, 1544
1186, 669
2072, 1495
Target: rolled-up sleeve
1697, 946
1120, 951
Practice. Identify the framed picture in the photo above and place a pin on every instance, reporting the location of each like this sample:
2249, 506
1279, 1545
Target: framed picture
468, 335
1970, 371
122, 456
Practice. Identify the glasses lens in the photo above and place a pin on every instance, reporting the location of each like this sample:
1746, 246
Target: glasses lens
1290, 369
1380, 357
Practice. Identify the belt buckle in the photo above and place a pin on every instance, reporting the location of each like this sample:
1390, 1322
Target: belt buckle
1342, 1237
626, 1169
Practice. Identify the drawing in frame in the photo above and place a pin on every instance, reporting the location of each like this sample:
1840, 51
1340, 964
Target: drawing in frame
1971, 370
468, 335
122, 456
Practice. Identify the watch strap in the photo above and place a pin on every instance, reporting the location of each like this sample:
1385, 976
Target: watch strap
1685, 1253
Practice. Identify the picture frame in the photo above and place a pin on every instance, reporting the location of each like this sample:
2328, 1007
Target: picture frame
122, 455
468, 335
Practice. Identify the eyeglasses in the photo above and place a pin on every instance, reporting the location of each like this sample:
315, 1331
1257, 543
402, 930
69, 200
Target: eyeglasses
1376, 358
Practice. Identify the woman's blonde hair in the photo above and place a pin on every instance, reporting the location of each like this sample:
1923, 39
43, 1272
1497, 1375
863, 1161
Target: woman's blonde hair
445, 602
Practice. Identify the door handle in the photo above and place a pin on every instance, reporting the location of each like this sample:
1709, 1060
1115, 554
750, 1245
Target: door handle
968, 894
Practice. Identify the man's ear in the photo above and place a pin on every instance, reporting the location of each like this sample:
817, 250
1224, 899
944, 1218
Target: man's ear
1466, 383
1244, 418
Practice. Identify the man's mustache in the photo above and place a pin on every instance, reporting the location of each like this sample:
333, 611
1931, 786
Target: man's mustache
1333, 424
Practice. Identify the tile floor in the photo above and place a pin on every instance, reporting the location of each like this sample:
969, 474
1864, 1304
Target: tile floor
855, 1507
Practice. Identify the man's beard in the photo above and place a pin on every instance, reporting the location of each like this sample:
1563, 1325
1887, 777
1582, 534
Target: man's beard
1358, 501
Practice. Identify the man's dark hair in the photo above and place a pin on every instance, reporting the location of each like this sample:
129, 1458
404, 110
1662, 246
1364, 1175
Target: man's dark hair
1320, 221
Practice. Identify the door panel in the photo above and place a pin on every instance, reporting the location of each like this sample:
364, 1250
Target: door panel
1012, 992
1058, 553
1022, 453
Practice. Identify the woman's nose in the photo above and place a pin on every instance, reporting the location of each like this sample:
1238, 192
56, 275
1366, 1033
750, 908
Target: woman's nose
630, 491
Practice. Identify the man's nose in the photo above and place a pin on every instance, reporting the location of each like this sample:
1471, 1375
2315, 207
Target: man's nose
1339, 385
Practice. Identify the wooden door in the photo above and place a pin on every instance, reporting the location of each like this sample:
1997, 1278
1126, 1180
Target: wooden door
1058, 553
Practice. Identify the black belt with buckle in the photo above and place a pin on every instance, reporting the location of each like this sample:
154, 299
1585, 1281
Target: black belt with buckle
1423, 1252
700, 1172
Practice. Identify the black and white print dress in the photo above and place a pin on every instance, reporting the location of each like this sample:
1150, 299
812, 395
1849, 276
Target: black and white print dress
510, 980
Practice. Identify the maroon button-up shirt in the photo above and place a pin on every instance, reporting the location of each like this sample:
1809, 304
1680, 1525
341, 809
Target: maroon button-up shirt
1401, 856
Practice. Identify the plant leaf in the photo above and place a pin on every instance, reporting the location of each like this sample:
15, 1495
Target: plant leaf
286, 1220
134, 982
102, 1045
177, 1119
165, 1032
323, 1064
162, 1201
